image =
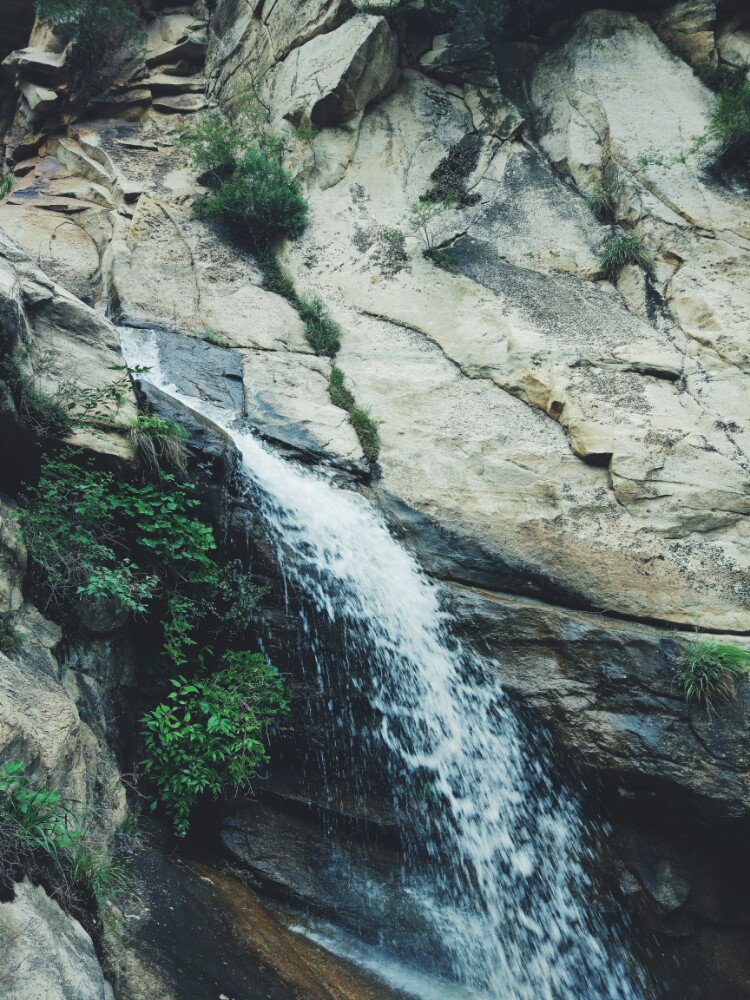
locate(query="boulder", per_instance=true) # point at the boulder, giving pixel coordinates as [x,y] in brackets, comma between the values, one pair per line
[688,29]
[334,76]
[463,55]
[45,953]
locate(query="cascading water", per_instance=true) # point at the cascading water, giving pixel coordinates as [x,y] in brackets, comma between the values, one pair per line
[495,854]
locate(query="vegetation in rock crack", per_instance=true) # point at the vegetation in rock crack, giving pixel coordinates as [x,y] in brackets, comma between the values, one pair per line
[622,250]
[250,195]
[606,194]
[728,131]
[708,672]
[97,28]
[449,176]
[323,333]
[207,737]
[212,337]
[423,216]
[52,841]
[70,404]
[364,426]
[160,444]
[6,184]
[443,259]
[11,639]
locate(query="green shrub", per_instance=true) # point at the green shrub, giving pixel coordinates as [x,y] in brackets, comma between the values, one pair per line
[42,819]
[98,29]
[43,414]
[96,542]
[207,737]
[622,250]
[11,639]
[708,672]
[323,334]
[442,259]
[260,202]
[6,184]
[214,145]
[604,198]
[159,443]
[422,215]
[729,120]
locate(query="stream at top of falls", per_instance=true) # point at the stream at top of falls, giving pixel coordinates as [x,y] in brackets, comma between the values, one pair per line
[495,850]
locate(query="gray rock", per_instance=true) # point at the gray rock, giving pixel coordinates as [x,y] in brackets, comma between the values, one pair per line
[46,954]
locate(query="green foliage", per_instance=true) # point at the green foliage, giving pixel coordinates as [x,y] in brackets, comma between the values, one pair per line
[71,404]
[305,133]
[341,395]
[260,202]
[10,638]
[323,334]
[251,195]
[6,184]
[98,29]
[622,250]
[212,337]
[214,144]
[422,216]
[728,128]
[159,443]
[207,736]
[364,426]
[96,542]
[42,820]
[708,672]
[606,194]
[44,837]
[275,280]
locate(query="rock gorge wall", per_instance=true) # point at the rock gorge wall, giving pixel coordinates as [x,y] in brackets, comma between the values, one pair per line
[569,456]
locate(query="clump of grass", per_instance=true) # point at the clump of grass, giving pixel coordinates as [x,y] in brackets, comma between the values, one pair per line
[341,395]
[729,119]
[10,638]
[6,183]
[709,670]
[604,198]
[323,333]
[622,250]
[364,426]
[40,412]
[212,337]
[159,443]
[274,278]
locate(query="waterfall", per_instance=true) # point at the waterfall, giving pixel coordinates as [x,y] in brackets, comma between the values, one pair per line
[496,855]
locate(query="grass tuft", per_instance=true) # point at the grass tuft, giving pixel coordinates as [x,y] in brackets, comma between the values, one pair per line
[709,670]
[323,334]
[364,426]
[622,250]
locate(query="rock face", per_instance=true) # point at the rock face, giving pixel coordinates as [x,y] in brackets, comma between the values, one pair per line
[45,953]
[554,444]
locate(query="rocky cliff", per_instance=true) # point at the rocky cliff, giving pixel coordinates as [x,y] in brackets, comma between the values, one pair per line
[568,452]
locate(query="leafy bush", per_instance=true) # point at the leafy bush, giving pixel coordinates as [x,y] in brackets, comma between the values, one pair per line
[323,334]
[422,215]
[606,194]
[96,542]
[159,443]
[207,736]
[258,203]
[98,29]
[6,184]
[214,145]
[709,670]
[729,120]
[622,250]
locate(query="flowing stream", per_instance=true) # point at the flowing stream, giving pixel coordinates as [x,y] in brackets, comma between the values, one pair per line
[495,854]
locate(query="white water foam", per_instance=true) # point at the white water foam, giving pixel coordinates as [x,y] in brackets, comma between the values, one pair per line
[500,879]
